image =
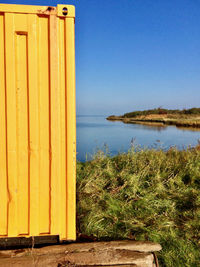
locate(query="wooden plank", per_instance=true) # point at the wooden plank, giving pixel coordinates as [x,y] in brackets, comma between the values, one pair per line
[118,253]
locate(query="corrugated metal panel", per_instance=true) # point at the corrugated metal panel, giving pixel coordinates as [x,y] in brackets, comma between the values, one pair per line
[37,121]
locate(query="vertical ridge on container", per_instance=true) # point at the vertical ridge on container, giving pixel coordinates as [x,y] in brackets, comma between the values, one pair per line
[21,63]
[34,124]
[3,139]
[55,127]
[11,124]
[62,86]
[44,122]
[71,131]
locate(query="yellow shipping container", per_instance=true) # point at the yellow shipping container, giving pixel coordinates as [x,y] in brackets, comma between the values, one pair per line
[37,121]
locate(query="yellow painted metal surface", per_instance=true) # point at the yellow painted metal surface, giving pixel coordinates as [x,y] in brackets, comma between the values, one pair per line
[37,121]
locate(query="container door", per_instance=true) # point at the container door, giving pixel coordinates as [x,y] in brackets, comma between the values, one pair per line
[37,107]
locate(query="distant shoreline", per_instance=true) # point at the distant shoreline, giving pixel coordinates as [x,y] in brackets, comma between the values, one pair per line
[161,117]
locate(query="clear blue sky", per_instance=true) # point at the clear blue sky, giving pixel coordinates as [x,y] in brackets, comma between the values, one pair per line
[135,54]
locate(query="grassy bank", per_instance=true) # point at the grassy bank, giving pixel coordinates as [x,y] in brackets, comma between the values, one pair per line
[144,195]
[179,118]
[163,111]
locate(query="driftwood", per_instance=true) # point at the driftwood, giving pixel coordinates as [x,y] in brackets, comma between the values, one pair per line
[125,253]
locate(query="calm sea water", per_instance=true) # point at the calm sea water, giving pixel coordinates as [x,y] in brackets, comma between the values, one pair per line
[95,132]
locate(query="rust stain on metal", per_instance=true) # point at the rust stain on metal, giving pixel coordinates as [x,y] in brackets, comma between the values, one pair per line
[50,10]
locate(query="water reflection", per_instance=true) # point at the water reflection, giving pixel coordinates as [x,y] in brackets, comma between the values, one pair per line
[94,132]
[192,129]
[145,125]
[162,127]
[154,127]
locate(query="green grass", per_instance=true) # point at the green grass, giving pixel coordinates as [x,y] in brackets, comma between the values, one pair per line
[144,195]
[161,111]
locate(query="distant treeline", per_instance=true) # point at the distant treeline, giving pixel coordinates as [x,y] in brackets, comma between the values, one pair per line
[191,111]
